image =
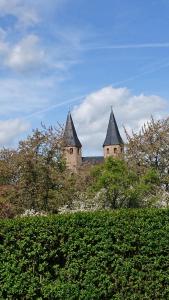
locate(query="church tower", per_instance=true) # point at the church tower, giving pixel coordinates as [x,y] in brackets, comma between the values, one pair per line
[113,144]
[72,145]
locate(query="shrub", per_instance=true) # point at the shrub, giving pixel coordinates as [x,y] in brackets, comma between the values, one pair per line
[100,255]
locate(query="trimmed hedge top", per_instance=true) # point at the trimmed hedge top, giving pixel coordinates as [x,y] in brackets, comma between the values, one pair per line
[122,254]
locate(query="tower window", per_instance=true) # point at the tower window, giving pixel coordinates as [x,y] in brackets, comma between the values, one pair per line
[115,150]
[108,151]
[71,150]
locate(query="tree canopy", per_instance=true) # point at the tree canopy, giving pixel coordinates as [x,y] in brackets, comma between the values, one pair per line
[35,176]
[123,187]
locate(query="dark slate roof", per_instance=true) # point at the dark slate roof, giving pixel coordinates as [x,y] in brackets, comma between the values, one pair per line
[70,135]
[113,136]
[92,160]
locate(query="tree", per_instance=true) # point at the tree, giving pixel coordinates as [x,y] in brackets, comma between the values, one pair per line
[34,176]
[31,175]
[150,149]
[122,186]
[6,210]
[8,170]
[40,164]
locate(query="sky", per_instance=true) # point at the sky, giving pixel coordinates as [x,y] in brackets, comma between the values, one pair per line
[84,56]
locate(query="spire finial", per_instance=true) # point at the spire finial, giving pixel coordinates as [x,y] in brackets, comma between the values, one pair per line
[111,108]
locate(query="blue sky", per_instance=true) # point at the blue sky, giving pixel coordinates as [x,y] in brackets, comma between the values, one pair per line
[85,56]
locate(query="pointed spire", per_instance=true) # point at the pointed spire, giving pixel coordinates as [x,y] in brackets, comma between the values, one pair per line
[113,136]
[70,135]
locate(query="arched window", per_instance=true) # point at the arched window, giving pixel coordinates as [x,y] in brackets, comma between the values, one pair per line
[115,150]
[108,151]
[71,150]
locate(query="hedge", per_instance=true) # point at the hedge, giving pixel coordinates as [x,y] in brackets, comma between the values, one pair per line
[122,254]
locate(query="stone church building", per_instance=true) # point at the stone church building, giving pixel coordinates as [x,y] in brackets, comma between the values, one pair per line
[112,146]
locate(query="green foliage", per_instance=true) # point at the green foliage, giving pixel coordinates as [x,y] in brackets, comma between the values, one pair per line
[123,186]
[40,163]
[149,148]
[32,174]
[6,209]
[8,171]
[103,255]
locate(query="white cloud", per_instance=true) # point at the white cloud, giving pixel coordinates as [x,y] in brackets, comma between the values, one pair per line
[23,56]
[3,44]
[3,48]
[23,96]
[28,13]
[10,130]
[92,115]
[2,33]
[30,54]
[24,49]
[25,13]
[26,55]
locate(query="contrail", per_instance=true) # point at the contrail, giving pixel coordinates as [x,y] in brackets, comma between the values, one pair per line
[49,108]
[126,46]
[73,100]
[141,74]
